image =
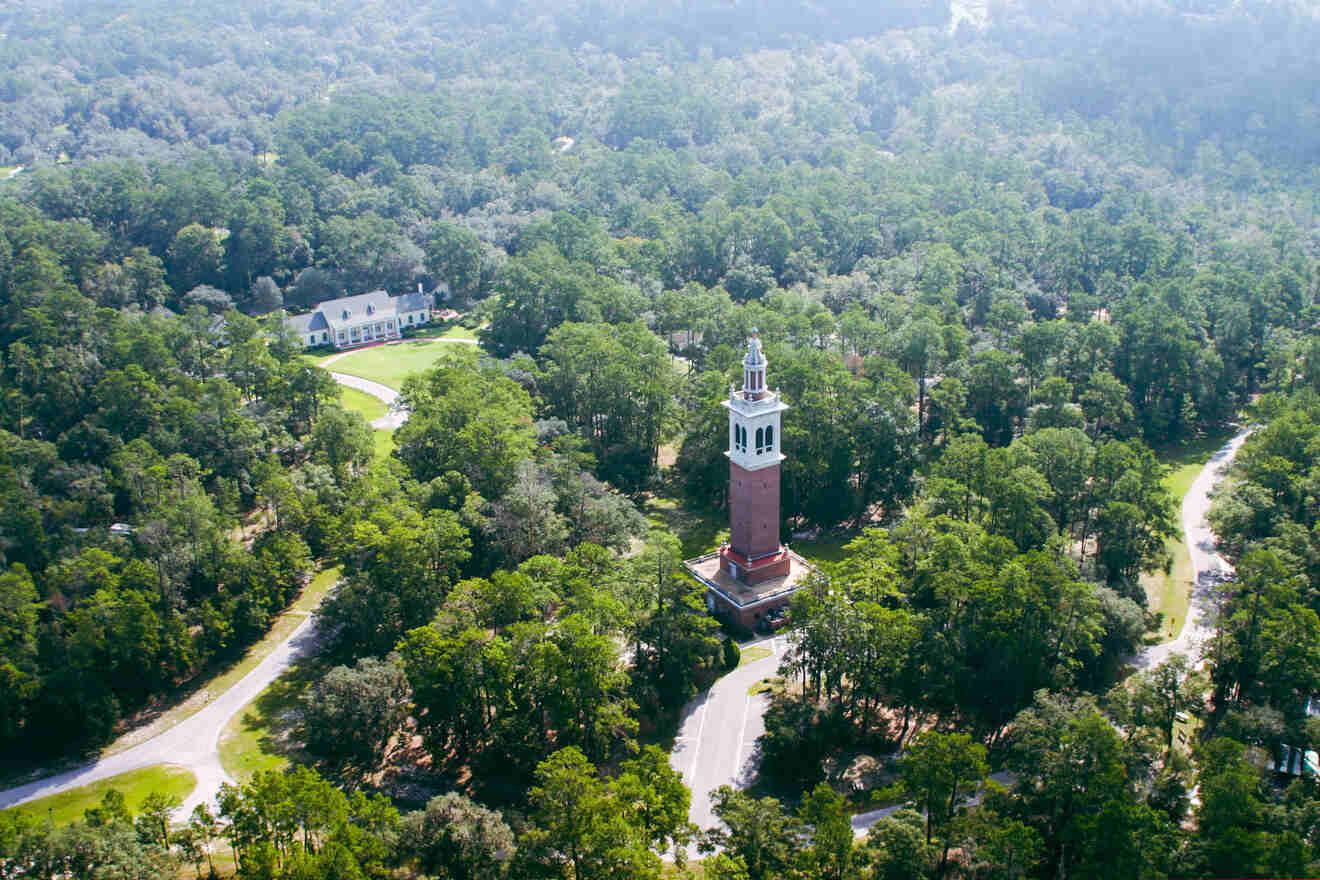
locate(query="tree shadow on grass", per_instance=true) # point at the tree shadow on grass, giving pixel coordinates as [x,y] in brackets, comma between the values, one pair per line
[271,721]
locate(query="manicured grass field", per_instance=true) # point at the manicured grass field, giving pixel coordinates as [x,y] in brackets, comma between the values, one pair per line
[356,401]
[453,331]
[68,806]
[1170,594]
[752,654]
[389,364]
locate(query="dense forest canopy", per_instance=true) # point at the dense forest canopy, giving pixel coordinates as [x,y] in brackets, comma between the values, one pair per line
[997,254]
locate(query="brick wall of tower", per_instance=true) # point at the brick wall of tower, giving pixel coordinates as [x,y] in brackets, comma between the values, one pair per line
[754,510]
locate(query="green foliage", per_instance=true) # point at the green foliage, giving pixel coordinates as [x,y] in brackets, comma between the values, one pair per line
[520,665]
[351,715]
[730,654]
[286,823]
[588,827]
[476,424]
[457,838]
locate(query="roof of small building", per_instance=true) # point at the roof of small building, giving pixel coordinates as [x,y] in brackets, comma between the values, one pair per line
[414,301]
[311,322]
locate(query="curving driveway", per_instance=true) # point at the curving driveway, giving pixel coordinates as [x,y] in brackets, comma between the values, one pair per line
[1211,568]
[392,419]
[192,743]
[397,414]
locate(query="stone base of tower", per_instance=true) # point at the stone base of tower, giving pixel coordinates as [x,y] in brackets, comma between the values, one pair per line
[748,599]
[755,571]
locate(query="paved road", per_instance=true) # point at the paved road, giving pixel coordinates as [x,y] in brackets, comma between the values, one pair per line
[718,731]
[191,743]
[1211,568]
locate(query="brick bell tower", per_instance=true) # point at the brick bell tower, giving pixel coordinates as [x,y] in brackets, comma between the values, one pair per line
[753,553]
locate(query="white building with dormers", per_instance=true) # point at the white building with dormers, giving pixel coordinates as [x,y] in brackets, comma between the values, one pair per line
[357,320]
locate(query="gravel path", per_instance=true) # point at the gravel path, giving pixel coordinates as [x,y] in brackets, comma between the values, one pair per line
[1211,568]
[192,743]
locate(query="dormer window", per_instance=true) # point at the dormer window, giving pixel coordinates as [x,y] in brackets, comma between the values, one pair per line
[371,310]
[345,314]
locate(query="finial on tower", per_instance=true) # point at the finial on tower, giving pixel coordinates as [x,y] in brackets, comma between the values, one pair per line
[754,365]
[755,356]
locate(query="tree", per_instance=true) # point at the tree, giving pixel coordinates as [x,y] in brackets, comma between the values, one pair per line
[474,422]
[579,827]
[195,257]
[939,769]
[1074,788]
[18,649]
[351,715]
[456,838]
[615,385]
[454,255]
[343,440]
[830,855]
[757,832]
[153,822]
[399,565]
[656,800]
[896,847]
[264,296]
[1231,818]
[1168,691]
[676,645]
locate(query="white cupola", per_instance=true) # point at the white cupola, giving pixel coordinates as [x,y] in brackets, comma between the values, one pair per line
[754,415]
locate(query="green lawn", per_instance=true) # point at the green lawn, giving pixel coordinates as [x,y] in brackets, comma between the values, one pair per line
[356,401]
[452,331]
[384,442]
[389,364]
[826,548]
[260,736]
[68,806]
[314,592]
[699,532]
[752,654]
[1170,593]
